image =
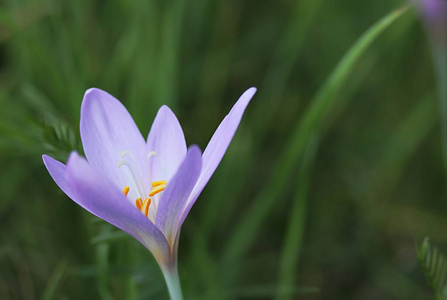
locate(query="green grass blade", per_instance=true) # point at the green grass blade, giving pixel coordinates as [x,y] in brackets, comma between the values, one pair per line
[55,282]
[402,146]
[310,124]
[102,265]
[138,49]
[295,230]
[442,277]
[217,63]
[170,52]
[438,274]
[267,291]
[427,250]
[284,60]
[434,265]
[107,237]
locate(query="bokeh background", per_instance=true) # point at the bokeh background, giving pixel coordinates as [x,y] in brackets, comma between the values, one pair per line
[335,175]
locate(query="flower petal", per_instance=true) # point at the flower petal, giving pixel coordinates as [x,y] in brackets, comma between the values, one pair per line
[57,172]
[167,140]
[218,145]
[107,129]
[177,192]
[98,195]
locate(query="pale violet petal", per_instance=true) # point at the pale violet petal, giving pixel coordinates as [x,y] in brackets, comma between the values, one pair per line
[218,145]
[57,172]
[107,129]
[166,139]
[101,197]
[176,194]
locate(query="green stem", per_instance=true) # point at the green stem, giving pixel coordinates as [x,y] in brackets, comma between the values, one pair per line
[173,283]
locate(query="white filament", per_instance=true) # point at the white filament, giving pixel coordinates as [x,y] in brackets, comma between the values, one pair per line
[135,178]
[134,173]
[138,180]
[148,160]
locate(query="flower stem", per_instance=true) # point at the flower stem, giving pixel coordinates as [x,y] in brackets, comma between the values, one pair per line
[173,283]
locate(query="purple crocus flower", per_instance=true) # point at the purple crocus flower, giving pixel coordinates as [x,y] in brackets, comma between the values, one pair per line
[145,188]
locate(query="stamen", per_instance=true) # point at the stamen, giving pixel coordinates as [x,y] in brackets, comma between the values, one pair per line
[156,186]
[128,153]
[133,162]
[138,203]
[148,158]
[135,178]
[126,190]
[157,190]
[145,207]
[160,182]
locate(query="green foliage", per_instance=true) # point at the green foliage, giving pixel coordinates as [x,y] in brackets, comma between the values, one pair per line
[58,140]
[55,282]
[296,227]
[434,264]
[335,169]
[309,124]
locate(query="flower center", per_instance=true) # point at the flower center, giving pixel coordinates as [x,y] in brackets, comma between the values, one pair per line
[156,187]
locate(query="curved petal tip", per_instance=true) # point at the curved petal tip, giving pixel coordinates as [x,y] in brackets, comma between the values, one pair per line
[252,90]
[93,90]
[45,158]
[73,157]
[195,149]
[249,93]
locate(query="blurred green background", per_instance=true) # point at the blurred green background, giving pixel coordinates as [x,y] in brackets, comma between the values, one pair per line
[335,174]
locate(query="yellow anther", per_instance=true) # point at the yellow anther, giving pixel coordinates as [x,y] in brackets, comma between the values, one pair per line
[139,203]
[160,182]
[126,190]
[145,207]
[157,190]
